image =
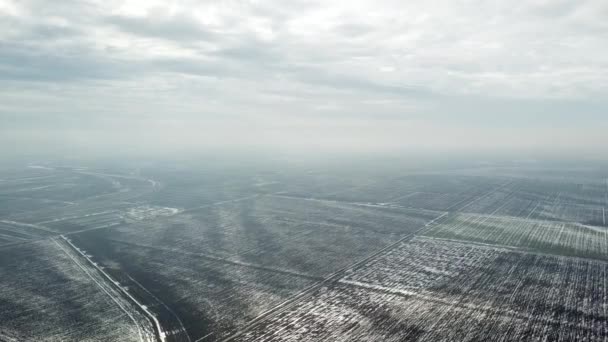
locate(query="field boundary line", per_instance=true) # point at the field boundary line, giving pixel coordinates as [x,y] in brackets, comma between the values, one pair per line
[160,332]
[409,194]
[65,218]
[330,279]
[334,277]
[30,225]
[163,304]
[102,288]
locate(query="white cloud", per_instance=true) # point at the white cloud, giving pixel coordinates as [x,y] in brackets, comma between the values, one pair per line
[268,61]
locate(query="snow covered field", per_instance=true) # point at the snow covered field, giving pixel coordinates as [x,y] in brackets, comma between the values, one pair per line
[202,253]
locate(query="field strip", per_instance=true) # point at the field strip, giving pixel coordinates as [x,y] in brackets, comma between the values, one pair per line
[405,196]
[141,338]
[115,175]
[56,234]
[362,185]
[430,298]
[91,200]
[332,278]
[395,206]
[545,200]
[361,204]
[223,260]
[29,225]
[27,178]
[18,243]
[309,231]
[183,329]
[110,177]
[160,332]
[8,230]
[65,218]
[204,337]
[46,200]
[80,208]
[12,237]
[486,217]
[133,194]
[32,189]
[235,200]
[533,210]
[294,236]
[520,250]
[580,205]
[111,225]
[474,199]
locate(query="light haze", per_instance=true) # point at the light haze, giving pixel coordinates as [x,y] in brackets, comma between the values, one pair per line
[182,75]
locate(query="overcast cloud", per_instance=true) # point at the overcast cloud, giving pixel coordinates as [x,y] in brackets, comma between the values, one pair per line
[350,74]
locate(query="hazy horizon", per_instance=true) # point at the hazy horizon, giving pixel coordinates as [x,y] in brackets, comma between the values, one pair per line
[158,77]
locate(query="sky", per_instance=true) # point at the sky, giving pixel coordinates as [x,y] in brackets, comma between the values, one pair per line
[182,75]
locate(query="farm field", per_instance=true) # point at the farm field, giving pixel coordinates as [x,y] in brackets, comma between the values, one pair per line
[270,248]
[563,238]
[195,252]
[265,223]
[48,293]
[211,297]
[429,290]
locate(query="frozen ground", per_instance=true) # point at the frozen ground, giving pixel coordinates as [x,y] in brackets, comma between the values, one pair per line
[267,252]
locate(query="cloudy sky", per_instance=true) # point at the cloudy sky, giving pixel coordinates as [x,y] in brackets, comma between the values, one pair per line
[362,75]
